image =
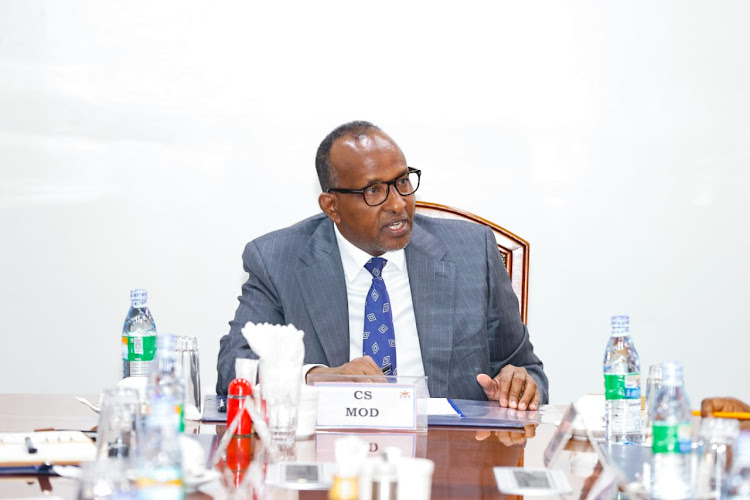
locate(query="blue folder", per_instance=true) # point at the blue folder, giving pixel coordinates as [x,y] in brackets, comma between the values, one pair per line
[482,414]
[214,408]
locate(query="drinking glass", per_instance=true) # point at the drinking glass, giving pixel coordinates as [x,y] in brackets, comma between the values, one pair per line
[187,353]
[104,480]
[117,433]
[717,436]
[308,411]
[415,478]
[280,383]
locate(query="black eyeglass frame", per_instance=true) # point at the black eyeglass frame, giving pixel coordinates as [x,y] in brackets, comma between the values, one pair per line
[390,183]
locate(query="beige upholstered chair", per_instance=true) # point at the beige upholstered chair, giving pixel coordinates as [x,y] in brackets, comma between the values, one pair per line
[513,249]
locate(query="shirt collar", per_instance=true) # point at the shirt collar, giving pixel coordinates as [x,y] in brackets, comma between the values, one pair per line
[354,259]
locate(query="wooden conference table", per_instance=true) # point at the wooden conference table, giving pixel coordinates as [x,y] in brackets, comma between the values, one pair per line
[463,457]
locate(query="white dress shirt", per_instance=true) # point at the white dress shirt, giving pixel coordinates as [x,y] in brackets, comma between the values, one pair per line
[396,278]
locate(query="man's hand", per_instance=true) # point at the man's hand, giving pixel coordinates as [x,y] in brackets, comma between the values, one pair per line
[359,366]
[513,387]
[509,438]
[711,405]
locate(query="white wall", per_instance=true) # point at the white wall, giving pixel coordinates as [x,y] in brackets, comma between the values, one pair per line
[143,143]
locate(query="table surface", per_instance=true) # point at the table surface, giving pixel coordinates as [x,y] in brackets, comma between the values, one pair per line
[463,457]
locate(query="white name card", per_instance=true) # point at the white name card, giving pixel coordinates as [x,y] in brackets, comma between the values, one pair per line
[366,406]
[325,443]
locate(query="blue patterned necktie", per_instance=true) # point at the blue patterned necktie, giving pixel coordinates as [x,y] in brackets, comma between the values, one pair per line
[379,339]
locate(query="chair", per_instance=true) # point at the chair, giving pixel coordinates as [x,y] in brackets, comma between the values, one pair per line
[513,249]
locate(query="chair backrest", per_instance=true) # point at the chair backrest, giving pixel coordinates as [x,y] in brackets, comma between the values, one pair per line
[513,249]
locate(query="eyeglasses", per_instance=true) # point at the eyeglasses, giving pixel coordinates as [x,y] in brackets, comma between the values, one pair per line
[375,194]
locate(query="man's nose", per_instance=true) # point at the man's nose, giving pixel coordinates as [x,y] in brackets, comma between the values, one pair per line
[395,201]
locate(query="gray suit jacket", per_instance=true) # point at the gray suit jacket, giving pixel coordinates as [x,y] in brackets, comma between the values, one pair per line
[466,311]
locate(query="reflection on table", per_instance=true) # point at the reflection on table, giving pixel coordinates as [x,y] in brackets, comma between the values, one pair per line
[463,457]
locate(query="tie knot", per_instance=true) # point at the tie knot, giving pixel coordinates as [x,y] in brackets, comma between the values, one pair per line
[375,266]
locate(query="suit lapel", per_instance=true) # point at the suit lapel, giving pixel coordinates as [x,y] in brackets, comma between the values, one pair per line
[321,281]
[432,278]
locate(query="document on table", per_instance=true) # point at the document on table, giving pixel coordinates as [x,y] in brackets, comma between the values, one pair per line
[441,406]
[53,447]
[469,413]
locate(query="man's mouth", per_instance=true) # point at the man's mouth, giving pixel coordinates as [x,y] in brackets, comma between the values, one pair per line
[397,227]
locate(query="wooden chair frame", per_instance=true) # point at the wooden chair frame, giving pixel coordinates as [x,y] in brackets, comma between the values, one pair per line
[513,249]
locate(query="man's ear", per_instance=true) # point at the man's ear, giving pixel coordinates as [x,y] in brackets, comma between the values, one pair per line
[327,203]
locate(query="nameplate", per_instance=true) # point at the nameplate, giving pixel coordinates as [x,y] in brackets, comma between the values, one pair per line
[366,406]
[377,443]
[562,435]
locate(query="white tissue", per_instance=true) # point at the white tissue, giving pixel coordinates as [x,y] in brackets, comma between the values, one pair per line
[277,343]
[194,464]
[192,413]
[137,383]
[193,456]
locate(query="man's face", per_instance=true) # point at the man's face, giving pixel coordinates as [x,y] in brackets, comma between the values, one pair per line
[357,163]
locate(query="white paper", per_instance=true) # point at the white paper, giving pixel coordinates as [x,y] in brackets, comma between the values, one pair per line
[440,406]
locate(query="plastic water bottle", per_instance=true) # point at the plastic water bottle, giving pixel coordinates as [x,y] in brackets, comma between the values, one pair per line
[159,472]
[671,457]
[622,383]
[138,337]
[738,485]
[166,384]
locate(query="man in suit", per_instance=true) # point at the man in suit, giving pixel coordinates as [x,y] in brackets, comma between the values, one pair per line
[451,305]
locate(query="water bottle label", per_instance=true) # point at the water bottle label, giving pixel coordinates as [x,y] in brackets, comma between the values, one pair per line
[622,386]
[181,410]
[671,438]
[163,483]
[166,414]
[139,348]
[124,348]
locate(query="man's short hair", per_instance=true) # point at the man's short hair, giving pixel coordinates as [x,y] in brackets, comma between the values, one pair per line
[355,129]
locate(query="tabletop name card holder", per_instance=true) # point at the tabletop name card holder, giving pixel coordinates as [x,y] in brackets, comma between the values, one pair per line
[609,476]
[383,403]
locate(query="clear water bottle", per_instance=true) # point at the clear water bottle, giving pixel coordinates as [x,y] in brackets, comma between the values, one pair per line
[672,444]
[166,383]
[738,485]
[159,471]
[138,337]
[622,384]
[653,384]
